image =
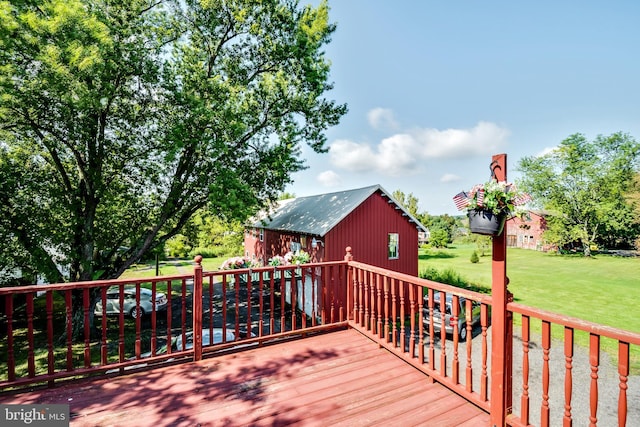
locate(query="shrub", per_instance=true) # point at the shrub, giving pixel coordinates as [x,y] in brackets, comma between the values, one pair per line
[214,252]
[450,277]
[474,257]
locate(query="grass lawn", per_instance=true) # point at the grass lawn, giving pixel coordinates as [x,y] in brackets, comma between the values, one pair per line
[170,267]
[602,289]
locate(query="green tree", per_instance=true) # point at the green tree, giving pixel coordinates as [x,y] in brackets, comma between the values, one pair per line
[408,201]
[444,226]
[121,119]
[438,238]
[582,183]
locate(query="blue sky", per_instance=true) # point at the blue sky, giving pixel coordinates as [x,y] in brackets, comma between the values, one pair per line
[434,88]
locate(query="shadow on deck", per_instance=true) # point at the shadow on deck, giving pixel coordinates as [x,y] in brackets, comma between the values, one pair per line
[338,378]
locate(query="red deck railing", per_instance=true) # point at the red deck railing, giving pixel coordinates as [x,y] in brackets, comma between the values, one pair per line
[382,299]
[47,328]
[400,312]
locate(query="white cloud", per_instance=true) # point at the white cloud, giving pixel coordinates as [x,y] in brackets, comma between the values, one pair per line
[381,118]
[407,153]
[483,139]
[329,179]
[352,156]
[449,177]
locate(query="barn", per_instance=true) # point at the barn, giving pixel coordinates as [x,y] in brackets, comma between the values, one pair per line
[527,233]
[369,220]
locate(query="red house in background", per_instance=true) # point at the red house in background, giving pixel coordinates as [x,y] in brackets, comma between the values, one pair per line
[378,229]
[527,234]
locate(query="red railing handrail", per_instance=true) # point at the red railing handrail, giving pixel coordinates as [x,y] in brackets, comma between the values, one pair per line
[89,284]
[576,323]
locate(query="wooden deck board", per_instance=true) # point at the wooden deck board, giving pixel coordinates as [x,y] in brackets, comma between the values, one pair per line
[339,378]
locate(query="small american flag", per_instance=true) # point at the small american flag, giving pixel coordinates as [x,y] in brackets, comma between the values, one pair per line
[480,197]
[522,199]
[461,200]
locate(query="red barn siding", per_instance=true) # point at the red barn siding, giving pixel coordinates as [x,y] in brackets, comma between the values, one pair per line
[526,234]
[366,230]
[279,243]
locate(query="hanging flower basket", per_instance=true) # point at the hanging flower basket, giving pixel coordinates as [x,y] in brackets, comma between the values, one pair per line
[488,205]
[485,222]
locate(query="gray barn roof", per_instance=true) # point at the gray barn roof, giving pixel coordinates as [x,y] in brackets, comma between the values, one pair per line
[317,215]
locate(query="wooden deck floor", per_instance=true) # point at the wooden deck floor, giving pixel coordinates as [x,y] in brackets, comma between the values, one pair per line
[339,378]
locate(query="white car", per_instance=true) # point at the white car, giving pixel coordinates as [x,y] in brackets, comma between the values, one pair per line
[206,338]
[129,307]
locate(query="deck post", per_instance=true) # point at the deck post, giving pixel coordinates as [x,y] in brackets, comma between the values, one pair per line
[197,309]
[349,284]
[501,324]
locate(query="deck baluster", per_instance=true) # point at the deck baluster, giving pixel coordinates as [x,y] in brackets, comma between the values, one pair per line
[623,372]
[196,309]
[272,301]
[260,305]
[379,306]
[546,348]
[236,305]
[484,379]
[249,292]
[138,321]
[283,291]
[31,363]
[121,354]
[524,409]
[443,335]
[169,316]
[315,278]
[154,316]
[420,298]
[50,357]
[432,333]
[594,361]
[394,312]
[455,364]
[11,361]
[366,298]
[30,335]
[373,307]
[468,325]
[294,293]
[403,336]
[568,376]
[412,310]
[385,326]
[183,320]
[359,296]
[211,305]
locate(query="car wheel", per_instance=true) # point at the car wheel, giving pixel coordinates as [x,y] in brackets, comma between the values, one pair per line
[463,332]
[135,313]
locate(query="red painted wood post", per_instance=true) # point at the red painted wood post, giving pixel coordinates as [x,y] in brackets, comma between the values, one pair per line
[501,325]
[197,309]
[349,291]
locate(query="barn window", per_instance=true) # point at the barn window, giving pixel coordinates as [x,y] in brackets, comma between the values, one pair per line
[262,234]
[392,241]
